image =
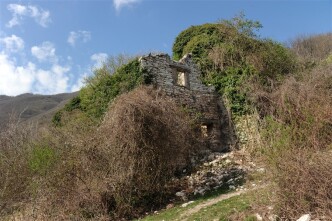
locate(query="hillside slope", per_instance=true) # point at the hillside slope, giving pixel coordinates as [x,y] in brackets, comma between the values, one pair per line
[31,106]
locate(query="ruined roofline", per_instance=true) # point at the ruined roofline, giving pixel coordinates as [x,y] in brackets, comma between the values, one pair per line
[183,63]
[165,71]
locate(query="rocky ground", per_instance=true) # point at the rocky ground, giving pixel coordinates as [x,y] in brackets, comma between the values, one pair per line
[216,171]
[222,171]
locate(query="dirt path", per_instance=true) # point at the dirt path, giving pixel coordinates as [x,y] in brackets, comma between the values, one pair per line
[209,203]
[213,201]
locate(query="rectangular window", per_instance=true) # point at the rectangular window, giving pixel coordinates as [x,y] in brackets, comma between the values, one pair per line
[206,130]
[181,79]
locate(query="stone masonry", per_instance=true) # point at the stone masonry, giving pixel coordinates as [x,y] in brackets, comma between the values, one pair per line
[181,81]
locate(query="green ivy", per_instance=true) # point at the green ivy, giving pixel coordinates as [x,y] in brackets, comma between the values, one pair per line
[102,87]
[229,53]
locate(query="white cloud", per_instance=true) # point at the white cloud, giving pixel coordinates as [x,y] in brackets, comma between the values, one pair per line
[18,11]
[45,52]
[41,16]
[15,79]
[98,59]
[118,4]
[18,79]
[12,43]
[52,81]
[79,82]
[83,36]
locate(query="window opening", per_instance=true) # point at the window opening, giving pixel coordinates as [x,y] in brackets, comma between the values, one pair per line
[181,79]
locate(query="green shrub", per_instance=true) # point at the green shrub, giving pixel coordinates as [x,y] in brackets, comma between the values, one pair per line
[56,119]
[74,103]
[41,159]
[229,83]
[187,35]
[277,61]
[104,86]
[119,75]
[230,55]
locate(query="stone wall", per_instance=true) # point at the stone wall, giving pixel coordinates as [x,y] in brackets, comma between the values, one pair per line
[181,81]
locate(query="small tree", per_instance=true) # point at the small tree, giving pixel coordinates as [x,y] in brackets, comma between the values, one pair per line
[243,25]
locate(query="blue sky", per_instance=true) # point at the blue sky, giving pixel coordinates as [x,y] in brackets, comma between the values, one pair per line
[49,46]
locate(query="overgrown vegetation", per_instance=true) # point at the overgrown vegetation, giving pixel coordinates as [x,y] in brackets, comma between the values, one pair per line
[15,174]
[119,75]
[290,89]
[230,55]
[314,48]
[298,143]
[107,155]
[119,169]
[139,133]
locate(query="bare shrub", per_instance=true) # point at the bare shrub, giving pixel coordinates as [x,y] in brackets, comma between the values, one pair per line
[47,174]
[72,187]
[298,138]
[15,176]
[117,170]
[313,48]
[146,138]
[304,184]
[305,104]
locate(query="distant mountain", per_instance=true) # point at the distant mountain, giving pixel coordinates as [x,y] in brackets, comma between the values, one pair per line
[32,106]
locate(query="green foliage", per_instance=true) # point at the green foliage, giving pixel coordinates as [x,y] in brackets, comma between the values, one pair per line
[119,75]
[222,210]
[206,31]
[243,25]
[104,86]
[74,103]
[279,137]
[251,218]
[228,83]
[230,54]
[56,119]
[277,60]
[328,60]
[41,159]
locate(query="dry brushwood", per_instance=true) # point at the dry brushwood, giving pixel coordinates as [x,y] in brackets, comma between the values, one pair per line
[305,184]
[15,140]
[147,138]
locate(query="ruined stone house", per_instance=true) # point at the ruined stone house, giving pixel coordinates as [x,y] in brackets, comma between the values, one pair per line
[181,81]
